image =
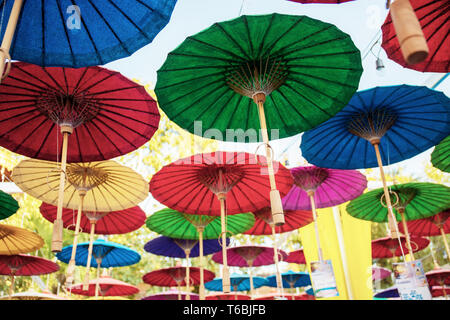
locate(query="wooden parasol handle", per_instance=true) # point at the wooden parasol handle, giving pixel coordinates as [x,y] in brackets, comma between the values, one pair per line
[275,198]
[316,226]
[441,229]
[202,277]
[226,287]
[275,258]
[405,228]
[88,264]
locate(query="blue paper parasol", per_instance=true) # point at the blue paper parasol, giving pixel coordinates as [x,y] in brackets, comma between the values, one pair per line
[290,280]
[238,282]
[383,125]
[82,33]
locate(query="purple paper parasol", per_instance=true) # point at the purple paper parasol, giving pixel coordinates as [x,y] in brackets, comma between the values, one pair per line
[331,187]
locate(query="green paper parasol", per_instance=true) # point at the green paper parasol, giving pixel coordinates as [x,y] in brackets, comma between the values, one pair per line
[8,205]
[440,157]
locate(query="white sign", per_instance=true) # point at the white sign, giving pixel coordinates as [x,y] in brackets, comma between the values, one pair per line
[322,278]
[411,281]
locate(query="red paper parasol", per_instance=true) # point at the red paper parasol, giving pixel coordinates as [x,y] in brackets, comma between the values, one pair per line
[438,277]
[108,287]
[115,222]
[105,114]
[388,247]
[297,256]
[434,20]
[172,295]
[25,265]
[438,291]
[228,296]
[219,183]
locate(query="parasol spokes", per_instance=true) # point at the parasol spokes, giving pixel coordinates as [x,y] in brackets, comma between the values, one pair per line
[373,125]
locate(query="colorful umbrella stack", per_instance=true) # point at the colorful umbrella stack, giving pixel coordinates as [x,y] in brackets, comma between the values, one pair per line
[250,79]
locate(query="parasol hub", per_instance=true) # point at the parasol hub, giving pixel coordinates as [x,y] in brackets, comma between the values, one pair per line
[372,125]
[259,97]
[85,177]
[220,179]
[374,141]
[95,216]
[221,196]
[66,128]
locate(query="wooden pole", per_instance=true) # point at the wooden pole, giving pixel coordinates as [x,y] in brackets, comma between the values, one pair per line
[97,284]
[71,266]
[188,278]
[11,289]
[202,278]
[252,289]
[225,272]
[8,36]
[179,290]
[275,198]
[405,229]
[392,221]
[88,264]
[316,227]
[57,237]
[275,258]
[441,228]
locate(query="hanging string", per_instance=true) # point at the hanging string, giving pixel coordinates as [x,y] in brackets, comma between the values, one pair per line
[242,7]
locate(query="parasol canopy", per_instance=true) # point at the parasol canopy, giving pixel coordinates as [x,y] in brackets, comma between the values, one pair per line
[15,240]
[391,292]
[308,69]
[379,273]
[175,276]
[294,219]
[31,295]
[171,295]
[107,287]
[331,187]
[430,226]
[440,157]
[190,185]
[440,291]
[250,256]
[297,256]
[115,222]
[438,277]
[26,265]
[388,247]
[239,282]
[290,280]
[417,200]
[288,296]
[109,115]
[110,186]
[175,224]
[434,21]
[8,205]
[107,254]
[88,33]
[406,120]
[177,248]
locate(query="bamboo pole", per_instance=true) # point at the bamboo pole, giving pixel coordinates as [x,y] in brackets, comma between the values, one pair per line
[202,278]
[57,237]
[11,288]
[88,264]
[277,267]
[225,272]
[97,284]
[8,36]
[316,227]
[405,229]
[188,278]
[71,266]
[179,290]
[252,289]
[275,198]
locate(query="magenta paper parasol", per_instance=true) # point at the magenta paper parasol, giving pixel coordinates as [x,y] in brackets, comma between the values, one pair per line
[379,273]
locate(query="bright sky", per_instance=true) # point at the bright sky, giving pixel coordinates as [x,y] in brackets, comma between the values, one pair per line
[361,19]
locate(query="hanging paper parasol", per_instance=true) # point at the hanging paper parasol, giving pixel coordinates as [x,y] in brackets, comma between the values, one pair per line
[232,77]
[172,295]
[8,205]
[107,287]
[402,121]
[438,291]
[297,256]
[439,224]
[379,273]
[106,254]
[228,296]
[440,157]
[105,114]
[81,34]
[93,186]
[14,240]
[389,247]
[239,282]
[31,295]
[434,23]
[290,280]
[176,276]
[174,224]
[182,248]
[25,265]
[218,183]
[391,292]
[250,256]
[438,277]
[412,201]
[316,187]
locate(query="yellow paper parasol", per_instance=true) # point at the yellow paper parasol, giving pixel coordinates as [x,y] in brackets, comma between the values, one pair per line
[31,295]
[15,240]
[102,186]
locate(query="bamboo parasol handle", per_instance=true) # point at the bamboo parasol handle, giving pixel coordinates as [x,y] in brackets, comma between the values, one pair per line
[88,264]
[316,226]
[202,278]
[441,229]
